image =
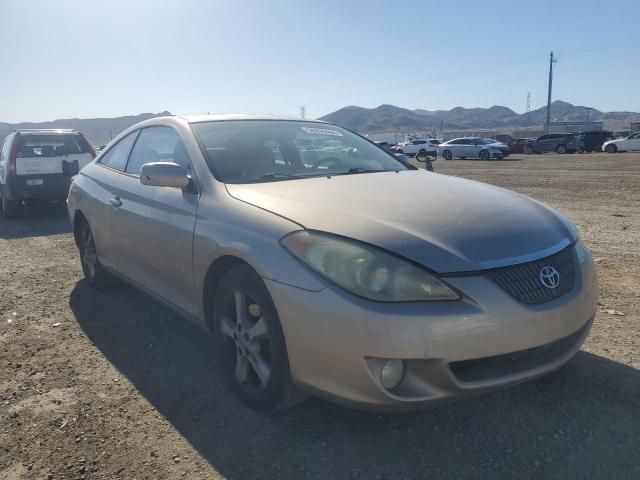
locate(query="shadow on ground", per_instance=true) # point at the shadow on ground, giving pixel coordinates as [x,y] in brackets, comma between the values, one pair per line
[43,220]
[583,421]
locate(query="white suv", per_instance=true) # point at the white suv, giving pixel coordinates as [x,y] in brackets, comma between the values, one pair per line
[412,147]
[39,165]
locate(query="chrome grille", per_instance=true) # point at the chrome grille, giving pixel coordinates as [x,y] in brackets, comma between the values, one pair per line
[523,283]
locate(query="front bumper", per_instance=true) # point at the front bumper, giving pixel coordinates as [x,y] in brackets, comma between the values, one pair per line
[451,349]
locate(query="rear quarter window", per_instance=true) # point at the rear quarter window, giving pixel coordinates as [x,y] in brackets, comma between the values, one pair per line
[116,157]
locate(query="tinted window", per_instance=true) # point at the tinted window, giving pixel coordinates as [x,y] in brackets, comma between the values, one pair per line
[435,142]
[157,144]
[419,142]
[249,151]
[543,137]
[455,141]
[465,141]
[635,135]
[116,156]
[51,145]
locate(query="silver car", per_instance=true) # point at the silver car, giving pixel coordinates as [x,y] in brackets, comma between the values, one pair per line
[321,265]
[473,147]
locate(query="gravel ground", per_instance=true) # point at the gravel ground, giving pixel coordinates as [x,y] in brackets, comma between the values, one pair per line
[114,385]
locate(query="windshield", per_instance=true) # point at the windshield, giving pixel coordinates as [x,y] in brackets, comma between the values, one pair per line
[251,151]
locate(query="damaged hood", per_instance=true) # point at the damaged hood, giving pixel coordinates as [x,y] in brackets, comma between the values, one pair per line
[445,223]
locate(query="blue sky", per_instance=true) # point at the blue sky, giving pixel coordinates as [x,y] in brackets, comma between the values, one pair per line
[102,58]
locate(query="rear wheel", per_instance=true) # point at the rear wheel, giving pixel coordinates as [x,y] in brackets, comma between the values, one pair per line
[561,149]
[528,149]
[94,272]
[611,148]
[250,343]
[447,155]
[484,155]
[9,208]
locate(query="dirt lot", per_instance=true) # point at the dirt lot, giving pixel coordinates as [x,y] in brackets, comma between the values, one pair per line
[113,385]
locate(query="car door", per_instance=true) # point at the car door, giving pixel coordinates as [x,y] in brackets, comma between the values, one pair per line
[541,144]
[633,142]
[466,148]
[156,224]
[105,177]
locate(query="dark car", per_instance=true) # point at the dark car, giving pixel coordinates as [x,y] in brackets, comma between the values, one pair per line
[592,141]
[517,145]
[553,142]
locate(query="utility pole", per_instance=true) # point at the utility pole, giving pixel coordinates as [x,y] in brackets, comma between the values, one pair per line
[303,111]
[441,126]
[551,62]
[588,112]
[528,116]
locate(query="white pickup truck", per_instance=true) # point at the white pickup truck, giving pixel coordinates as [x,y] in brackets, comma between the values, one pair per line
[412,147]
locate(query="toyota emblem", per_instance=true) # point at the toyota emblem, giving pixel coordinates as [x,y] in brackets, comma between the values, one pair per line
[549,277]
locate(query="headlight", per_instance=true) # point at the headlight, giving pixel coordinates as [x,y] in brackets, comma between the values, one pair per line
[364,270]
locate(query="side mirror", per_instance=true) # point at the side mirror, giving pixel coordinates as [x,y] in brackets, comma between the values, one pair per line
[422,157]
[164,174]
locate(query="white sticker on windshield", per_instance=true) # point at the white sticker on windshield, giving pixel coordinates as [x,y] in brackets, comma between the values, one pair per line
[322,131]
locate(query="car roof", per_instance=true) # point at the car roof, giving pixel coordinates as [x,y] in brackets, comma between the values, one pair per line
[241,116]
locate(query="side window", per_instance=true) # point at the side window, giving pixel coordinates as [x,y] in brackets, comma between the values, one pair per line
[157,144]
[420,142]
[465,141]
[116,156]
[543,138]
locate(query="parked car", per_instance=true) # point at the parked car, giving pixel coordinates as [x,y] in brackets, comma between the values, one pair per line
[631,143]
[348,277]
[593,141]
[424,146]
[517,145]
[401,157]
[553,142]
[473,147]
[39,164]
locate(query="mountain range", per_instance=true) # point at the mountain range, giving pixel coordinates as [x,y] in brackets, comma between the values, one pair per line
[97,130]
[389,118]
[385,118]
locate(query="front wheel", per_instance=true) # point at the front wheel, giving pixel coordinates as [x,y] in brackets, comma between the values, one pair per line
[611,148]
[528,149]
[561,149]
[484,155]
[250,343]
[447,155]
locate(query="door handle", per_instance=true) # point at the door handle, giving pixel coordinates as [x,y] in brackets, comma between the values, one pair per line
[115,202]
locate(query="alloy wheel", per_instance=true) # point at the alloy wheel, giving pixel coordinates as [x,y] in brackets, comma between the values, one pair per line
[89,254]
[247,342]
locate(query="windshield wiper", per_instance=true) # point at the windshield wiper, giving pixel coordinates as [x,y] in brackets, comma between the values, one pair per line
[355,170]
[275,175]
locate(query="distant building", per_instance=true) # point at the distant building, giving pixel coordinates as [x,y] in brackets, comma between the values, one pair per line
[574,127]
[635,127]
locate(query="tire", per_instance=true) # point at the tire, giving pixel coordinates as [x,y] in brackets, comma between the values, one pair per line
[611,148]
[422,153]
[561,149]
[94,273]
[484,155]
[250,343]
[9,208]
[528,149]
[447,155]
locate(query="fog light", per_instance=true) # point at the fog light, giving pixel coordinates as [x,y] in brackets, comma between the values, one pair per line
[392,373]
